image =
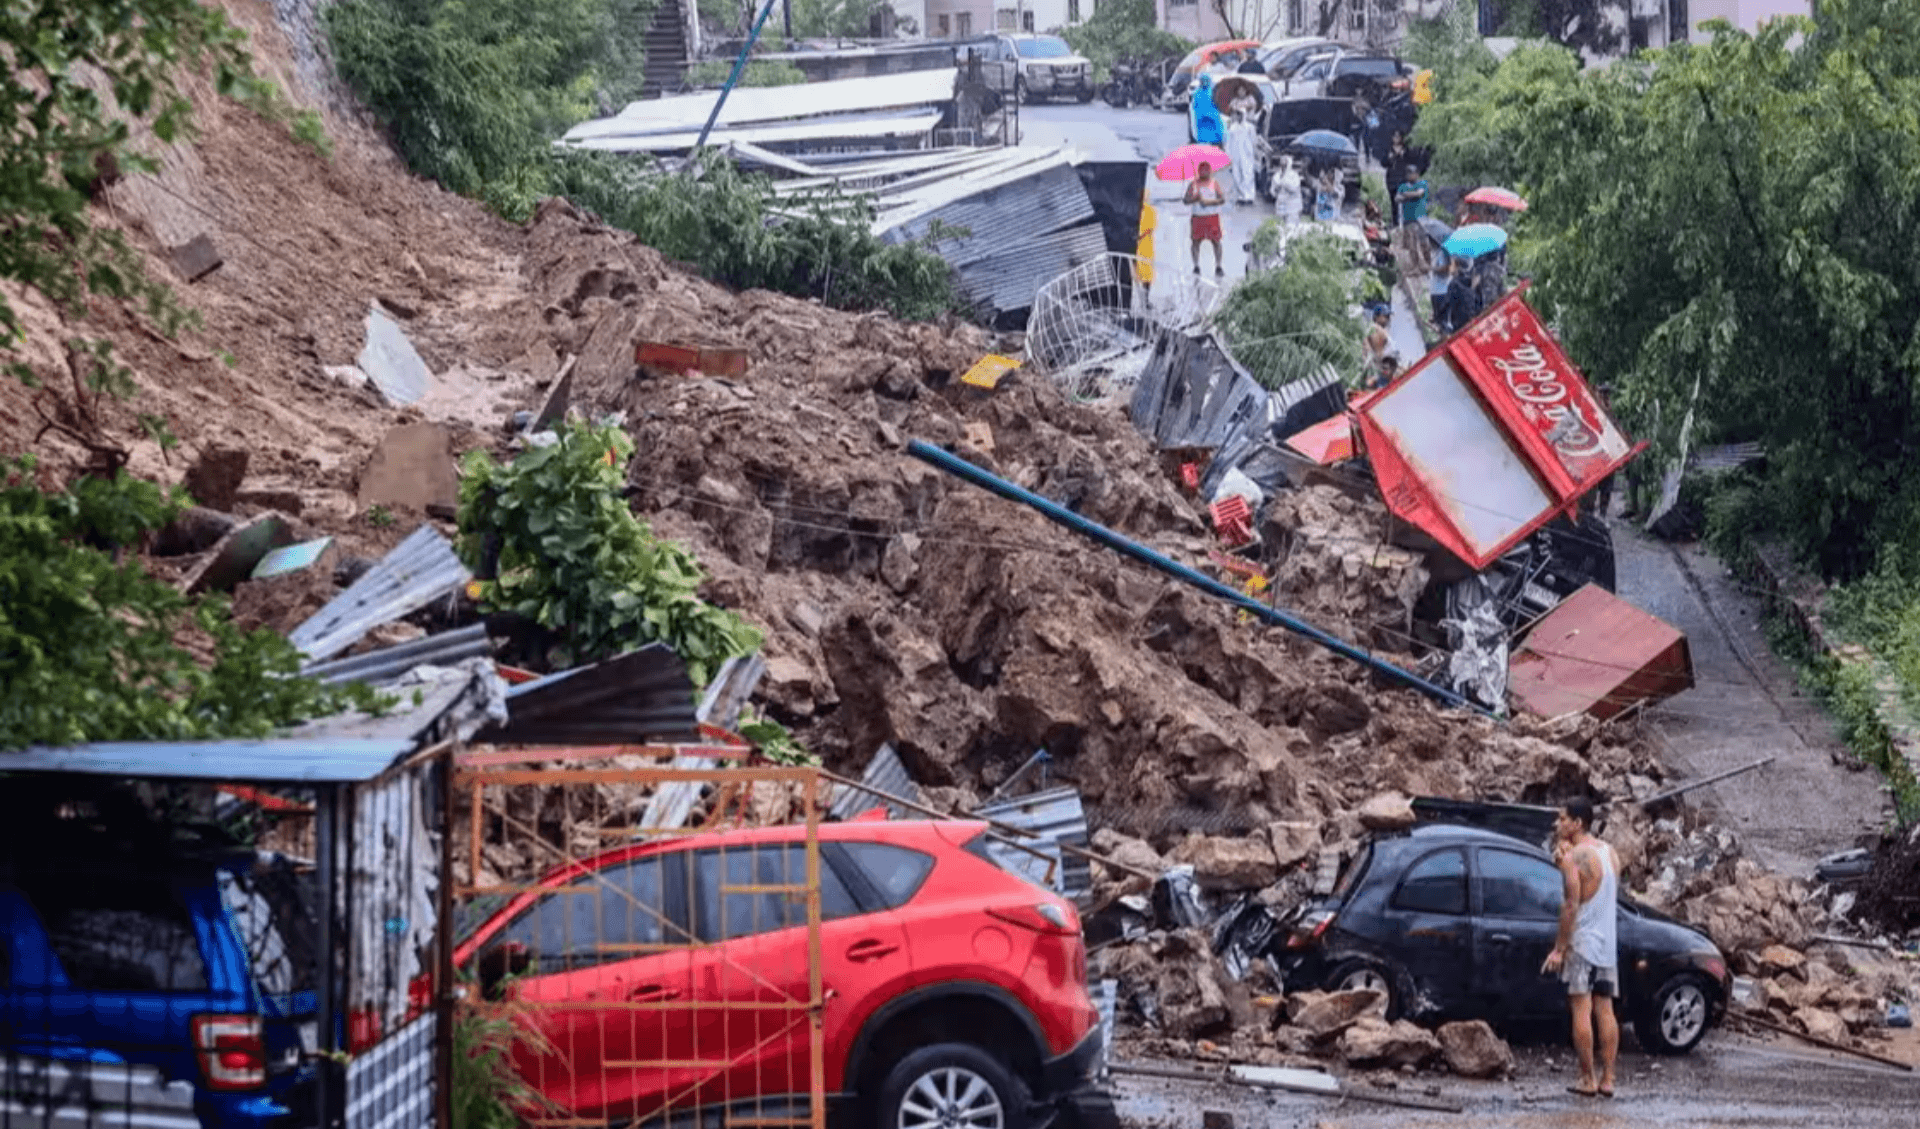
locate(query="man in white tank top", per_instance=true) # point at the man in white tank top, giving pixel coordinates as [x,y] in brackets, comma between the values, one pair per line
[1587,951]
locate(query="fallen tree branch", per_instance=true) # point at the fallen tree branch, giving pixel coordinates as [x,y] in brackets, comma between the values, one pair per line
[1828,1044]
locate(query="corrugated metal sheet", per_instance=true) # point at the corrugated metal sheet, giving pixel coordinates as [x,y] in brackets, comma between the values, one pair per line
[772,104]
[1053,817]
[995,215]
[901,209]
[885,773]
[44,1093]
[725,697]
[1192,394]
[429,707]
[1008,280]
[391,1086]
[289,761]
[388,663]
[916,124]
[1595,653]
[641,697]
[418,571]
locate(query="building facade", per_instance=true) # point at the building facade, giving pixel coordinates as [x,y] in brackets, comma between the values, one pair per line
[963,19]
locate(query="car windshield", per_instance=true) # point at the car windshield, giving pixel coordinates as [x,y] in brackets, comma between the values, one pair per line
[1384,67]
[1045,47]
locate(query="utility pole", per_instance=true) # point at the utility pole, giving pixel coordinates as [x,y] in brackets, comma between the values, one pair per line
[786,21]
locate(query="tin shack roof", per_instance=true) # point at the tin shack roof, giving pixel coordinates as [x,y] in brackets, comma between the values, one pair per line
[270,761]
[1595,653]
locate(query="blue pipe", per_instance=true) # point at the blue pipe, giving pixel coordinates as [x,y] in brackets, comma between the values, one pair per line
[960,468]
[739,65]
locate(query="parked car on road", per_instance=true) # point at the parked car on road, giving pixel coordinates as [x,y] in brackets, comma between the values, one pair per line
[955,990]
[115,950]
[1282,57]
[1455,923]
[1032,67]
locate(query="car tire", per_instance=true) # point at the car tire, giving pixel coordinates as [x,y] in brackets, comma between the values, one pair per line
[1020,94]
[1360,973]
[1675,1020]
[1085,95]
[987,1094]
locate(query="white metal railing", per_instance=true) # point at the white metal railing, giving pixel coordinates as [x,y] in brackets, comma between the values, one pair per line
[1092,329]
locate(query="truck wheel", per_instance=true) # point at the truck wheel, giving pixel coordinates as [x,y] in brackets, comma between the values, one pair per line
[951,1084]
[1085,95]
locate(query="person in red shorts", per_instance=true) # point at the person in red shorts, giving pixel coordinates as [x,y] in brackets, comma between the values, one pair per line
[1206,198]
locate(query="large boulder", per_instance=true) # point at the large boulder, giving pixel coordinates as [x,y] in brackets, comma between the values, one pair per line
[1776,959]
[1822,1024]
[1373,1041]
[1229,864]
[1473,1050]
[1323,1015]
[1388,811]
[1293,843]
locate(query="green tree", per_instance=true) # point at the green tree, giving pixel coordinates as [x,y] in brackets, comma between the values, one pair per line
[1123,29]
[1449,44]
[472,91]
[1291,321]
[1739,216]
[836,19]
[91,646]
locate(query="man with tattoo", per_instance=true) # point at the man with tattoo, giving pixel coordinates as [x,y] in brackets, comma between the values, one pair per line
[1586,953]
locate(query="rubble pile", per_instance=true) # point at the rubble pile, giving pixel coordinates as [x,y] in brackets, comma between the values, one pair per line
[1330,553]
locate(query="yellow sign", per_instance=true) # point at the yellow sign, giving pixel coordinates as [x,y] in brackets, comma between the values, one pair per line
[1423,88]
[988,370]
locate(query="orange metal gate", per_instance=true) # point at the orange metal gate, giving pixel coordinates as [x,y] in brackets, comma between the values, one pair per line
[644,974]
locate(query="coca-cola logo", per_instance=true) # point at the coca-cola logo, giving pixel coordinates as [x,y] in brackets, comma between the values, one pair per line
[1531,379]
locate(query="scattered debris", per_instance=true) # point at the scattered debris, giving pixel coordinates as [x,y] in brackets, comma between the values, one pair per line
[196,258]
[390,361]
[413,469]
[292,558]
[214,478]
[989,371]
[1473,1050]
[682,360]
[419,570]
[1595,653]
[234,557]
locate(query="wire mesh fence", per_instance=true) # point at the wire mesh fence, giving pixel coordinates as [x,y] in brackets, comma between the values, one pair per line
[1093,328]
[647,974]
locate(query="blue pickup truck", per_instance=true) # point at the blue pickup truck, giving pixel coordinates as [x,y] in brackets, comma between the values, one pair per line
[169,962]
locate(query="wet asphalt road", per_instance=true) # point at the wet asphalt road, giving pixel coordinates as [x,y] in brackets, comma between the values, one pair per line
[1730,1082]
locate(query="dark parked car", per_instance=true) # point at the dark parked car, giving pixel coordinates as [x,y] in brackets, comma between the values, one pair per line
[1455,922]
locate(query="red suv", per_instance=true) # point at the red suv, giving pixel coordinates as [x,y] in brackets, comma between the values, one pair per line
[670,978]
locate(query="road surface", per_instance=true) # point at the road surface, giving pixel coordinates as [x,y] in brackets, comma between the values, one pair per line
[1730,1082]
[1147,135]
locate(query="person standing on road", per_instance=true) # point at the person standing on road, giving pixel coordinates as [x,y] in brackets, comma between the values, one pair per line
[1206,198]
[1586,953]
[1242,154]
[1207,127]
[1437,280]
[1287,201]
[1327,195]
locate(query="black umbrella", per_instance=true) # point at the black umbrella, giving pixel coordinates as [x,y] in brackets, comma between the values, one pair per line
[1436,231]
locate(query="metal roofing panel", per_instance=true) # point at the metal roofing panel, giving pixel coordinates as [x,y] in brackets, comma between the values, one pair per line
[827,129]
[769,104]
[993,196]
[375,667]
[418,571]
[270,761]
[885,773]
[1055,816]
[1009,280]
[720,705]
[641,697]
[1595,653]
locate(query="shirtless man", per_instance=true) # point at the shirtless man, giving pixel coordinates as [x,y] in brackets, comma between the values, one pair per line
[1586,953]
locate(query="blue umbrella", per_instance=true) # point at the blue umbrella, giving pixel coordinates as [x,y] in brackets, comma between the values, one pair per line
[1326,142]
[1474,240]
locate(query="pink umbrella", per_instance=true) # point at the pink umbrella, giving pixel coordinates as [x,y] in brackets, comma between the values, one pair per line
[1184,163]
[1505,198]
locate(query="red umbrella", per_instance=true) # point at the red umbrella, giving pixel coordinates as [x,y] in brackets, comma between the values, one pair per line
[1184,163]
[1498,198]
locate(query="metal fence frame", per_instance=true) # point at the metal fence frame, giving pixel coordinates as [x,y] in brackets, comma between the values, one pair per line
[1093,327]
[510,797]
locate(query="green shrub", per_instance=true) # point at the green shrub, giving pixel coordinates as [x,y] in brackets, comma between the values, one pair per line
[759,72]
[730,226]
[574,559]
[1123,29]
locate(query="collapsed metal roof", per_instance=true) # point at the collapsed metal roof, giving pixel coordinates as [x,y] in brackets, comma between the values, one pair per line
[871,98]
[271,761]
[418,571]
[641,697]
